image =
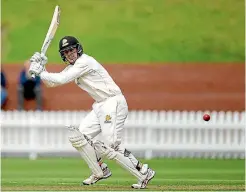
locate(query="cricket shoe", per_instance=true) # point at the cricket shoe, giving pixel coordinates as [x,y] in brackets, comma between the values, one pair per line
[93,179]
[149,175]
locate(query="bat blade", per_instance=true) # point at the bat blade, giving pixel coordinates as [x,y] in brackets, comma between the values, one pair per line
[51,31]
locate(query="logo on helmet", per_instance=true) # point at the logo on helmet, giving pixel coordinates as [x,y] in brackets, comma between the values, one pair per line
[64,42]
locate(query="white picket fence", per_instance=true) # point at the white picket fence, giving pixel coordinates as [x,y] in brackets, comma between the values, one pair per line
[150,133]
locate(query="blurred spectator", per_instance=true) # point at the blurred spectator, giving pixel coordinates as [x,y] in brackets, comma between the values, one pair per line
[29,88]
[4,92]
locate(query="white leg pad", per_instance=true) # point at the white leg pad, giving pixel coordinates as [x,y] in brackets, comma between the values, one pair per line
[120,158]
[127,164]
[86,151]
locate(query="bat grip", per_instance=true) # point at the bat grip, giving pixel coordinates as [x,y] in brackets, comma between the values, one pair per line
[42,53]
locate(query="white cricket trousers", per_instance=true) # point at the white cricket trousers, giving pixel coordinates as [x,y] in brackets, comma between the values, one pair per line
[108,118]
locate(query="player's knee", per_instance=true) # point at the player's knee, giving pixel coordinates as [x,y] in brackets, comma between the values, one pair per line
[104,150]
[114,144]
[121,149]
[76,138]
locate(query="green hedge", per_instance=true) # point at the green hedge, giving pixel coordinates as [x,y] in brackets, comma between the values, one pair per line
[129,30]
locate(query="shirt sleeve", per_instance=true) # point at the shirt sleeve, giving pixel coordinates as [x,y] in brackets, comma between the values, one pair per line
[66,76]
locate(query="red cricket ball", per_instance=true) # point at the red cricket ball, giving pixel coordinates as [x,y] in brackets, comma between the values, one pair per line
[206,117]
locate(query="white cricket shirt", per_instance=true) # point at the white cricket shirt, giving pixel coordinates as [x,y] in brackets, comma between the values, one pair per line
[88,74]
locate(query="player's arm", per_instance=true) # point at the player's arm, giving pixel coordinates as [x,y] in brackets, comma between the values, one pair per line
[51,84]
[55,79]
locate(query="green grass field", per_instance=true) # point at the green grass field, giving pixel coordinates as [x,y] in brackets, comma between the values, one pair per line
[66,174]
[129,30]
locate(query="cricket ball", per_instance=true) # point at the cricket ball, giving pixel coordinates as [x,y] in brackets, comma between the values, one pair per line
[206,117]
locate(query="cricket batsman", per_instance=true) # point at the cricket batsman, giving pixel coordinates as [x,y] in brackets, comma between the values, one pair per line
[108,115]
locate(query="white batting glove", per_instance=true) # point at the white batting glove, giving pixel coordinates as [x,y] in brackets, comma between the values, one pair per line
[39,58]
[35,68]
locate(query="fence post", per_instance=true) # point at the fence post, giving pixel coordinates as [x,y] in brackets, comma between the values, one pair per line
[149,151]
[32,124]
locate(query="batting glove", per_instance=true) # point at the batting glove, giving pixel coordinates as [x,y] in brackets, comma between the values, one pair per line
[35,68]
[39,58]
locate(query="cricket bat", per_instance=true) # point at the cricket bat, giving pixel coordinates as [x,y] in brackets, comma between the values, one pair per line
[51,32]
